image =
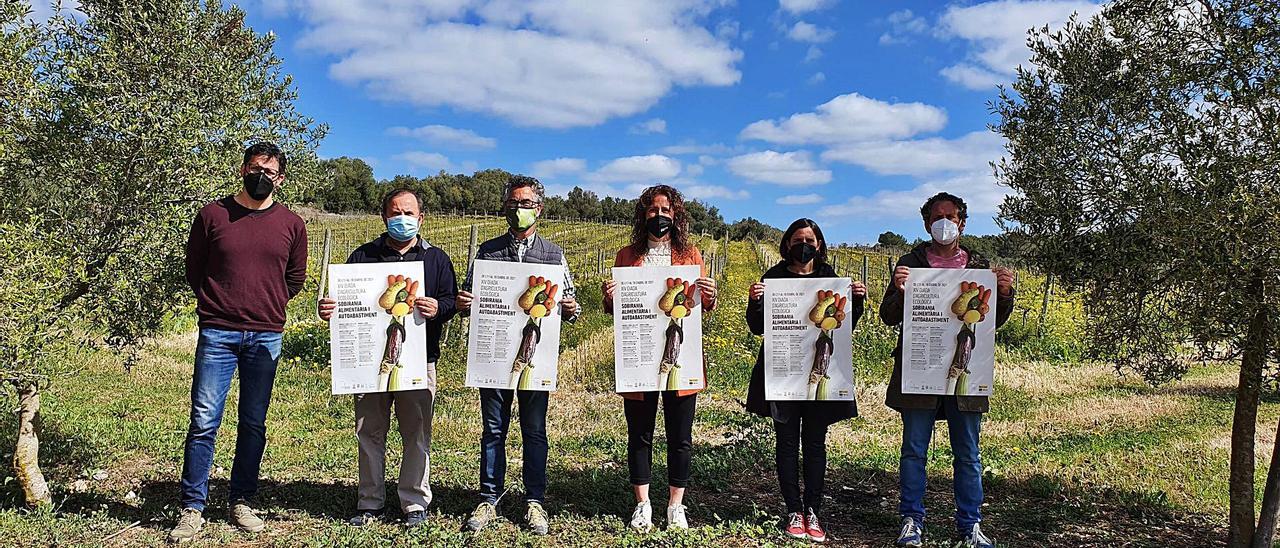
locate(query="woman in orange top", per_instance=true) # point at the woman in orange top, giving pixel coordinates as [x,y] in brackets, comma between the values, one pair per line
[660,237]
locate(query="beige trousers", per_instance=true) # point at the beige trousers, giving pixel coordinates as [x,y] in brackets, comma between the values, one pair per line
[413,410]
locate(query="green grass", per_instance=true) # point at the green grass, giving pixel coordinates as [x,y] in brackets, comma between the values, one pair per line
[1075,455]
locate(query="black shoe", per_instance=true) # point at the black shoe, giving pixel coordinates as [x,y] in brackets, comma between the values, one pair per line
[365,517]
[415,518]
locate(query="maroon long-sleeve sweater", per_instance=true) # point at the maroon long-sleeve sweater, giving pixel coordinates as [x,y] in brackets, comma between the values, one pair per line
[245,265]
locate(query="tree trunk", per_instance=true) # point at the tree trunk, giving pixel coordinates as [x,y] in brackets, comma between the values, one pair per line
[1241,522]
[26,454]
[1264,536]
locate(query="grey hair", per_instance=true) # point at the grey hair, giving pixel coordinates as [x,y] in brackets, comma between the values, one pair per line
[521,181]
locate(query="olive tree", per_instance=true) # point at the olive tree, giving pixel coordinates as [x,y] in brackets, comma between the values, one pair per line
[130,117]
[1144,158]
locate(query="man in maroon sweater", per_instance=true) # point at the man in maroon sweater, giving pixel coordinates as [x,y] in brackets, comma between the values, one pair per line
[246,257]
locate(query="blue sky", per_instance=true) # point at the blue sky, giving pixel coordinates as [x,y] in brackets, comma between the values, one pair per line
[846,111]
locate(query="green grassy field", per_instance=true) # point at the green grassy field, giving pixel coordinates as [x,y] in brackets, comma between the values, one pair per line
[1075,455]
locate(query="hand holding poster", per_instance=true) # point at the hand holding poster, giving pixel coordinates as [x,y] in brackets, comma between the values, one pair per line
[657,329]
[377,343]
[949,332]
[808,345]
[515,326]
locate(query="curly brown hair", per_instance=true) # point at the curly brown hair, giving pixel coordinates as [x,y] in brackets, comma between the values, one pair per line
[679,226]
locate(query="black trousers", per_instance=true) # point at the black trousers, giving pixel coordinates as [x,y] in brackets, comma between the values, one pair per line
[677,417]
[801,430]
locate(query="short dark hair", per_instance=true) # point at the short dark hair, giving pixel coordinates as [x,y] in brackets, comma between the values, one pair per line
[927,208]
[784,247]
[386,200]
[265,148]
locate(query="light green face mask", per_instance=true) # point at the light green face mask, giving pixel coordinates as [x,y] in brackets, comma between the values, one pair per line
[521,218]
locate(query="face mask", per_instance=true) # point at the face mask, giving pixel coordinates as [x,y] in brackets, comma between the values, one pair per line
[521,218]
[402,227]
[659,225]
[944,231]
[802,253]
[258,185]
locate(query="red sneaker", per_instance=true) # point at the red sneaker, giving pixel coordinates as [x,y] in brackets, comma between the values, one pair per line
[796,527]
[813,528]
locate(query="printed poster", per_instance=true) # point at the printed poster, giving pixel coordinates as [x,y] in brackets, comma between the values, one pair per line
[514,341]
[657,329]
[949,332]
[377,340]
[808,341]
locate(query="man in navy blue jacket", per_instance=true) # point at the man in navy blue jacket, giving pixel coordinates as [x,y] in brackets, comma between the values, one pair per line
[402,213]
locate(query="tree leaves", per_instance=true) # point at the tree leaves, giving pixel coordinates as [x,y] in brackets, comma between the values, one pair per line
[134,117]
[1144,160]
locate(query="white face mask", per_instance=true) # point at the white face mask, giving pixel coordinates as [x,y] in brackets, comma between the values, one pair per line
[944,231]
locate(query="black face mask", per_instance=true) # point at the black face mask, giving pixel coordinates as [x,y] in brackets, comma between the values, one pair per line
[258,185]
[658,225]
[802,253]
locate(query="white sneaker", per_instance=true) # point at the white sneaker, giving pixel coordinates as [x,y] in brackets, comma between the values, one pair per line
[975,539]
[676,518]
[642,517]
[912,533]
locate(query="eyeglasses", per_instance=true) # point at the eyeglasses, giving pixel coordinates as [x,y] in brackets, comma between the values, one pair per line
[271,173]
[523,204]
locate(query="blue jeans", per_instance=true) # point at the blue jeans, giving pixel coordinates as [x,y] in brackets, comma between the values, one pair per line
[495,408]
[219,353]
[917,430]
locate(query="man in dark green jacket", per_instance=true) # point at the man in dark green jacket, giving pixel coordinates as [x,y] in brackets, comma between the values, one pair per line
[944,217]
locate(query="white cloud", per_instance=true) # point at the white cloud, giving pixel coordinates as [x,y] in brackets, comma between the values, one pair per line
[707,192]
[997,34]
[850,118]
[812,54]
[691,188]
[728,30]
[445,136]
[979,191]
[804,6]
[601,189]
[784,168]
[543,63]
[694,148]
[707,160]
[550,169]
[800,199]
[923,157]
[652,125]
[817,78]
[902,25]
[694,170]
[808,32]
[653,167]
[430,161]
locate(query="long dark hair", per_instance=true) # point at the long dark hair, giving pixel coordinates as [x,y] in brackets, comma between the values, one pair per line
[679,218]
[785,246]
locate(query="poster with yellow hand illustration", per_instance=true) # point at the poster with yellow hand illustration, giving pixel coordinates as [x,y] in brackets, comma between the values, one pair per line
[377,340]
[949,332]
[808,339]
[514,342]
[657,329]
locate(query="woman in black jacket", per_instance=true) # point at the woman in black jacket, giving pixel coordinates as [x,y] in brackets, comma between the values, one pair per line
[797,423]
